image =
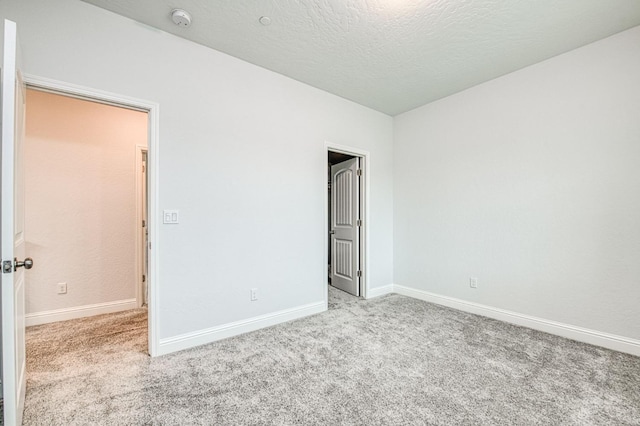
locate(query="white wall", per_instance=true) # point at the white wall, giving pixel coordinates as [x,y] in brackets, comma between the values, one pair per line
[530,182]
[248,219]
[80,200]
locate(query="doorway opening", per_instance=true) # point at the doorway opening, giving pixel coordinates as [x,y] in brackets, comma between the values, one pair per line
[346,220]
[96,190]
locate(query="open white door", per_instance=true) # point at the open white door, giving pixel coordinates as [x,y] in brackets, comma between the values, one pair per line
[12,228]
[345,231]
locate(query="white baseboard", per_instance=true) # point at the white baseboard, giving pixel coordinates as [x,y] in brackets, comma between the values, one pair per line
[598,338]
[379,291]
[55,315]
[202,337]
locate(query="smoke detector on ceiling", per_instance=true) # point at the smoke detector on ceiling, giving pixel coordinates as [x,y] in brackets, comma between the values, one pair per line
[181,17]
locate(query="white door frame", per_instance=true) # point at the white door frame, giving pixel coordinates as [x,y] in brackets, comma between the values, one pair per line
[153,111]
[140,258]
[365,165]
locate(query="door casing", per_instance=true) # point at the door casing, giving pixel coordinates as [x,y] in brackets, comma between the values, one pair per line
[141,215]
[153,113]
[364,213]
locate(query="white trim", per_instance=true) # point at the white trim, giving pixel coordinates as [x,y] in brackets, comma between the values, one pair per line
[208,335]
[153,111]
[65,314]
[593,337]
[153,266]
[87,93]
[138,230]
[380,291]
[365,165]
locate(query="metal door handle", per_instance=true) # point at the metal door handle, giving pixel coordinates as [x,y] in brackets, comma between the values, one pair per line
[28,263]
[332,232]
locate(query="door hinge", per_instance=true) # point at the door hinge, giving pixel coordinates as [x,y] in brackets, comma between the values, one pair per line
[359,172]
[7,266]
[144,278]
[359,222]
[144,223]
[359,273]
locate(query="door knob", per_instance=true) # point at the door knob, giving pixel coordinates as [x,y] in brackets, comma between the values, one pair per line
[332,232]
[28,263]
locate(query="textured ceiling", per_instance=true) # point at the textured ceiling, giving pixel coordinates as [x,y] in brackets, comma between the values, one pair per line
[390,55]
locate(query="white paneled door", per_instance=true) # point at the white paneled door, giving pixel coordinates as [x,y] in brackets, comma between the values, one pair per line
[12,228]
[345,230]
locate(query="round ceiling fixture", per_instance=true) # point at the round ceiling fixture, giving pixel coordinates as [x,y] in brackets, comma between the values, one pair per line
[181,17]
[265,20]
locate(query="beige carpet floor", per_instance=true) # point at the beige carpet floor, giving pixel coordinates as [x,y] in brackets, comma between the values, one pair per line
[386,361]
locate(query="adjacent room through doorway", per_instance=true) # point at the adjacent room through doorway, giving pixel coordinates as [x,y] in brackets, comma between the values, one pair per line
[86,204]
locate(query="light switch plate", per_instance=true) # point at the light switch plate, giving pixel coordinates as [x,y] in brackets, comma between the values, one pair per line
[171,216]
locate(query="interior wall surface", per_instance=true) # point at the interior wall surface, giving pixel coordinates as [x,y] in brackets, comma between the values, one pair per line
[241,156]
[80,215]
[529,183]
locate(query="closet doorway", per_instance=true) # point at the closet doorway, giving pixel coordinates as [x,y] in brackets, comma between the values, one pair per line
[346,220]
